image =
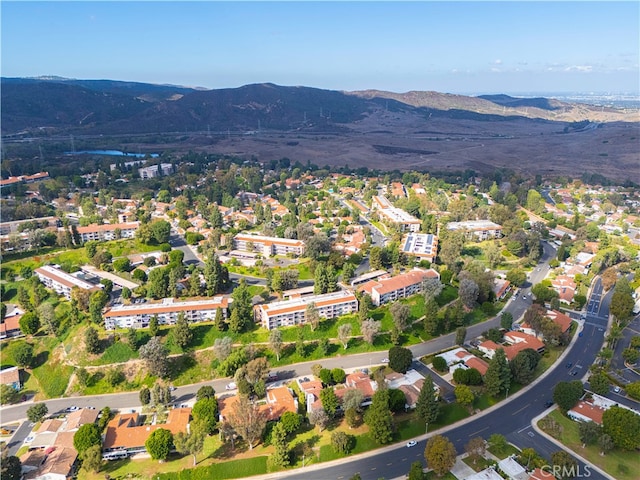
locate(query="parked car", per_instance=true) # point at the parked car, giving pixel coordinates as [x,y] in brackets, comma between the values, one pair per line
[616,389]
[569,365]
[412,443]
[231,386]
[548,403]
[384,360]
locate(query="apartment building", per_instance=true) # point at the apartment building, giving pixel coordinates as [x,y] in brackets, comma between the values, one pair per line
[62,282]
[397,216]
[293,312]
[139,315]
[267,246]
[111,231]
[389,289]
[480,229]
[421,245]
[162,170]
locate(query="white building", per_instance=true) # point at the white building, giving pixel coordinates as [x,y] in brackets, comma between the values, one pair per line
[109,231]
[394,215]
[167,311]
[267,246]
[293,312]
[62,282]
[481,229]
[161,170]
[421,245]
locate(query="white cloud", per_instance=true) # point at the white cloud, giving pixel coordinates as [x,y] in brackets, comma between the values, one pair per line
[579,68]
[497,62]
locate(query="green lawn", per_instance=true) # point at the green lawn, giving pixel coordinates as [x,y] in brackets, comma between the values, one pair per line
[232,469]
[503,453]
[610,463]
[481,463]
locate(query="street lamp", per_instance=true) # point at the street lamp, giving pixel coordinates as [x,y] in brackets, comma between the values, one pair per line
[426,428]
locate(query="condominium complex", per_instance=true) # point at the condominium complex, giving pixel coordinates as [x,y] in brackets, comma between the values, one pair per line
[110,231]
[481,229]
[394,215]
[389,289]
[293,312]
[167,311]
[421,245]
[62,282]
[162,170]
[267,246]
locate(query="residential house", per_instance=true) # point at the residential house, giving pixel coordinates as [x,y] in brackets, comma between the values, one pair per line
[389,289]
[517,341]
[160,170]
[512,469]
[584,411]
[566,288]
[501,287]
[358,381]
[311,390]
[125,432]
[11,376]
[278,401]
[10,327]
[539,474]
[167,311]
[53,463]
[294,311]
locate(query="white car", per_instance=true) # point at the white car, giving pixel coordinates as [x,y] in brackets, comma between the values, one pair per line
[231,386]
[384,360]
[412,443]
[616,389]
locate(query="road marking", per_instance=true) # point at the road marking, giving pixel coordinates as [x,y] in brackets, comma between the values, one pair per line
[518,411]
[373,468]
[404,459]
[523,429]
[472,434]
[389,464]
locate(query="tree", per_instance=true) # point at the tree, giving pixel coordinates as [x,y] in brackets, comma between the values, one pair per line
[440,364]
[91,340]
[506,320]
[11,467]
[23,354]
[205,410]
[248,420]
[498,376]
[400,359]
[622,301]
[431,288]
[468,292]
[564,465]
[29,323]
[319,418]
[344,332]
[290,422]
[631,355]
[400,314]
[155,355]
[159,444]
[243,304]
[145,396]
[87,436]
[498,441]
[47,316]
[352,400]
[623,426]
[589,432]
[476,448]
[431,323]
[275,342]
[378,418]
[397,400]
[633,390]
[605,443]
[222,348]
[428,406]
[330,401]
[461,335]
[154,326]
[370,329]
[517,277]
[37,412]
[341,442]
[206,391]
[599,383]
[440,454]
[280,457]
[567,394]
[523,366]
[160,231]
[464,395]
[182,333]
[312,316]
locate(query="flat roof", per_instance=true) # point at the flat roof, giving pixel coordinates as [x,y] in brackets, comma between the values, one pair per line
[167,306]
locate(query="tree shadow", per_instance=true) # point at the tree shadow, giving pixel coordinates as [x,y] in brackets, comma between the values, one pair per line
[179,365]
[40,359]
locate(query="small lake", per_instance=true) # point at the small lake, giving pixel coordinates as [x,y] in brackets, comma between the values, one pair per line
[114,153]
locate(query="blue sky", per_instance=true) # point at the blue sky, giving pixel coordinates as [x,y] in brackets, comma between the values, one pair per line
[456,47]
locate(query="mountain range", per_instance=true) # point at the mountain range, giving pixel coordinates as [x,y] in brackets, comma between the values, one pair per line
[421,130]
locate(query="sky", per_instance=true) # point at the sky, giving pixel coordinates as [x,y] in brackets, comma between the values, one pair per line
[455,47]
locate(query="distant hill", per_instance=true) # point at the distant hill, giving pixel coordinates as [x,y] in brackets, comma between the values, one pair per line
[112,107]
